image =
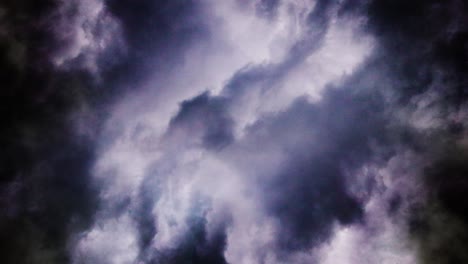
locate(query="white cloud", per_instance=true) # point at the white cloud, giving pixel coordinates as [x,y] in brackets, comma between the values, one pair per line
[113,242]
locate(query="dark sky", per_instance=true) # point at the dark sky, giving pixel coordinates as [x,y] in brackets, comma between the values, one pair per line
[234,131]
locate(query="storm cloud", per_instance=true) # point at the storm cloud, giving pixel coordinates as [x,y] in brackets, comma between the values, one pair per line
[277,131]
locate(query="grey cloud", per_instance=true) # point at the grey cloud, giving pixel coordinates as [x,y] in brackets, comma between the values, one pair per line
[86,35]
[421,44]
[203,118]
[197,245]
[46,190]
[157,35]
[267,7]
[322,144]
[314,167]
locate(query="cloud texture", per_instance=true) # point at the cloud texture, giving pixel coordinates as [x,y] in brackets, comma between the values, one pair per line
[279,131]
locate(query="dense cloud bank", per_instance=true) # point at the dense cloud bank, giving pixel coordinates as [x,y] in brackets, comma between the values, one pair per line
[268,131]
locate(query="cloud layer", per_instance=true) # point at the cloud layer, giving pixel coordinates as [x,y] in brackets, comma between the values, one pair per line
[283,131]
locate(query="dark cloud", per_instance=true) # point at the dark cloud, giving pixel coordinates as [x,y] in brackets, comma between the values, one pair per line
[440,226]
[202,121]
[423,39]
[144,217]
[197,248]
[203,118]
[198,245]
[423,44]
[45,189]
[323,143]
[302,161]
[449,182]
[157,33]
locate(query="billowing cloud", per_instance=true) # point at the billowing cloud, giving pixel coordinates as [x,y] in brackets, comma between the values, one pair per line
[267,131]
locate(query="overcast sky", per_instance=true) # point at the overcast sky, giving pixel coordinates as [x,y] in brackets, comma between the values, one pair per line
[234,131]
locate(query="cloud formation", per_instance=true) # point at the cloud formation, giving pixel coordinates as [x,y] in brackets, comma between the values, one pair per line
[279,131]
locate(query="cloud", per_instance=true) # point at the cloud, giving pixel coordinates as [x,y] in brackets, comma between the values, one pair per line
[46,192]
[283,131]
[205,119]
[84,31]
[206,124]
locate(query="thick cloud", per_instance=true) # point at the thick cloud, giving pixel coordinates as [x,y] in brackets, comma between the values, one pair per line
[269,131]
[203,118]
[197,246]
[309,194]
[157,34]
[83,31]
[291,196]
[46,193]
[424,40]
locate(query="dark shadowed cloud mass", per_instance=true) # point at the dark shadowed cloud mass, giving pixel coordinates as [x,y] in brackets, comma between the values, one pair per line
[215,132]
